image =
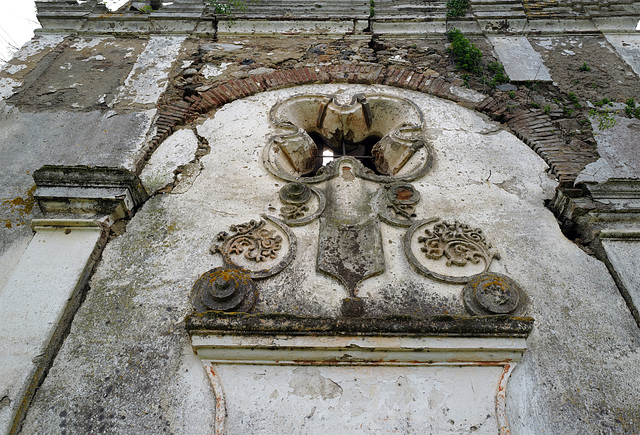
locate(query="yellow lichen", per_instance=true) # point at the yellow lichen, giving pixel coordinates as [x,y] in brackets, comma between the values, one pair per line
[22,206]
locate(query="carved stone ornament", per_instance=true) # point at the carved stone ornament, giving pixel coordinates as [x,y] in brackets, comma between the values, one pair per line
[302,203]
[493,293]
[397,204]
[453,252]
[384,132]
[262,247]
[224,289]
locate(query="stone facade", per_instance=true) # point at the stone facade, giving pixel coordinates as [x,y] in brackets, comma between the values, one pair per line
[180,254]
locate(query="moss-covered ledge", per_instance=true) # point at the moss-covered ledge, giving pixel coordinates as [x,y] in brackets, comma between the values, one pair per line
[279,323]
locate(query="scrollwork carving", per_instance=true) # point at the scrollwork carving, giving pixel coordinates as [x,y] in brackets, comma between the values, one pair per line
[465,250]
[457,242]
[255,244]
[251,239]
[299,206]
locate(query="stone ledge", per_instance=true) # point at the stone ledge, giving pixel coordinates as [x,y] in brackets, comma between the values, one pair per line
[278,323]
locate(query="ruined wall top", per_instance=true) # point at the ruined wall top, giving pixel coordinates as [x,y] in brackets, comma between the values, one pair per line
[287,17]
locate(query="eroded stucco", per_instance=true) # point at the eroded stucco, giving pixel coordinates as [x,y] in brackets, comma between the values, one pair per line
[128,351]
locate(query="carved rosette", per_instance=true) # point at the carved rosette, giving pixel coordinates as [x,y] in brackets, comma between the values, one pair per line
[262,247]
[224,289]
[492,293]
[301,203]
[397,204]
[453,252]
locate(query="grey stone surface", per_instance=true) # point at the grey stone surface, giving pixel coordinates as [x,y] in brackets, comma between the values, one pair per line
[628,46]
[56,112]
[624,256]
[35,306]
[619,149]
[520,60]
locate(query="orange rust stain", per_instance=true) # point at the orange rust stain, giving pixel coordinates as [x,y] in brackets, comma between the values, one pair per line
[403,194]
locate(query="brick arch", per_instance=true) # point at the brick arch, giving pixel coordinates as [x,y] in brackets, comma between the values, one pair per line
[530,125]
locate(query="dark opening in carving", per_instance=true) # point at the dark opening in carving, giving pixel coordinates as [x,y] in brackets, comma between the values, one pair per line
[327,151]
[382,132]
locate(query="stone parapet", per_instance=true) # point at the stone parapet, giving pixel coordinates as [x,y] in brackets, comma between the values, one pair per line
[331,17]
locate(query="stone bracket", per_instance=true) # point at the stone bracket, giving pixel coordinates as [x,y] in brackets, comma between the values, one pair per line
[87,192]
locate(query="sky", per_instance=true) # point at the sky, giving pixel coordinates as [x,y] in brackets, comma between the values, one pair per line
[17,21]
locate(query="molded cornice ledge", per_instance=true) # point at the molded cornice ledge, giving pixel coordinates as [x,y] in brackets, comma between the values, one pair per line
[87,192]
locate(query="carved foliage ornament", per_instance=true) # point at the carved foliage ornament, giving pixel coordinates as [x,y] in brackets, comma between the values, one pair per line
[252,245]
[253,240]
[457,242]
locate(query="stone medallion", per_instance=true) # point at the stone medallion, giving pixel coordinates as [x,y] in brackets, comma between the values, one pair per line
[453,252]
[224,289]
[262,247]
[492,293]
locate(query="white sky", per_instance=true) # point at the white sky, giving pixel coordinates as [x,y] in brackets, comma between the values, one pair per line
[17,21]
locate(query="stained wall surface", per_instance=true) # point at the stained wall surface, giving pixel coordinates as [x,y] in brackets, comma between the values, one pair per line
[127,363]
[104,99]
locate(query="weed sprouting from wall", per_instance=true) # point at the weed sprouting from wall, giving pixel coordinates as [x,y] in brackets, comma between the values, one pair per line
[230,6]
[457,8]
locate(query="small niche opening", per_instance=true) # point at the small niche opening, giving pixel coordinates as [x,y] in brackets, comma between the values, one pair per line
[327,153]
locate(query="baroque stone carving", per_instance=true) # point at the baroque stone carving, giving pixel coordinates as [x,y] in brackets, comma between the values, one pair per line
[255,243]
[297,199]
[251,239]
[457,242]
[397,204]
[493,293]
[462,247]
[224,289]
[384,132]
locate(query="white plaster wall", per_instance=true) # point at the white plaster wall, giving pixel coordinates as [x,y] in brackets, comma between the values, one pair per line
[372,400]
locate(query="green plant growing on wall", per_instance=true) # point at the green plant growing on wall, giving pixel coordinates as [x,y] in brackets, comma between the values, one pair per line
[499,75]
[372,8]
[466,55]
[605,118]
[584,67]
[631,109]
[231,6]
[146,9]
[457,8]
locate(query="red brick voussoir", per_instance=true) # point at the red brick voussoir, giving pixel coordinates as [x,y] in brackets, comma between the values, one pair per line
[531,126]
